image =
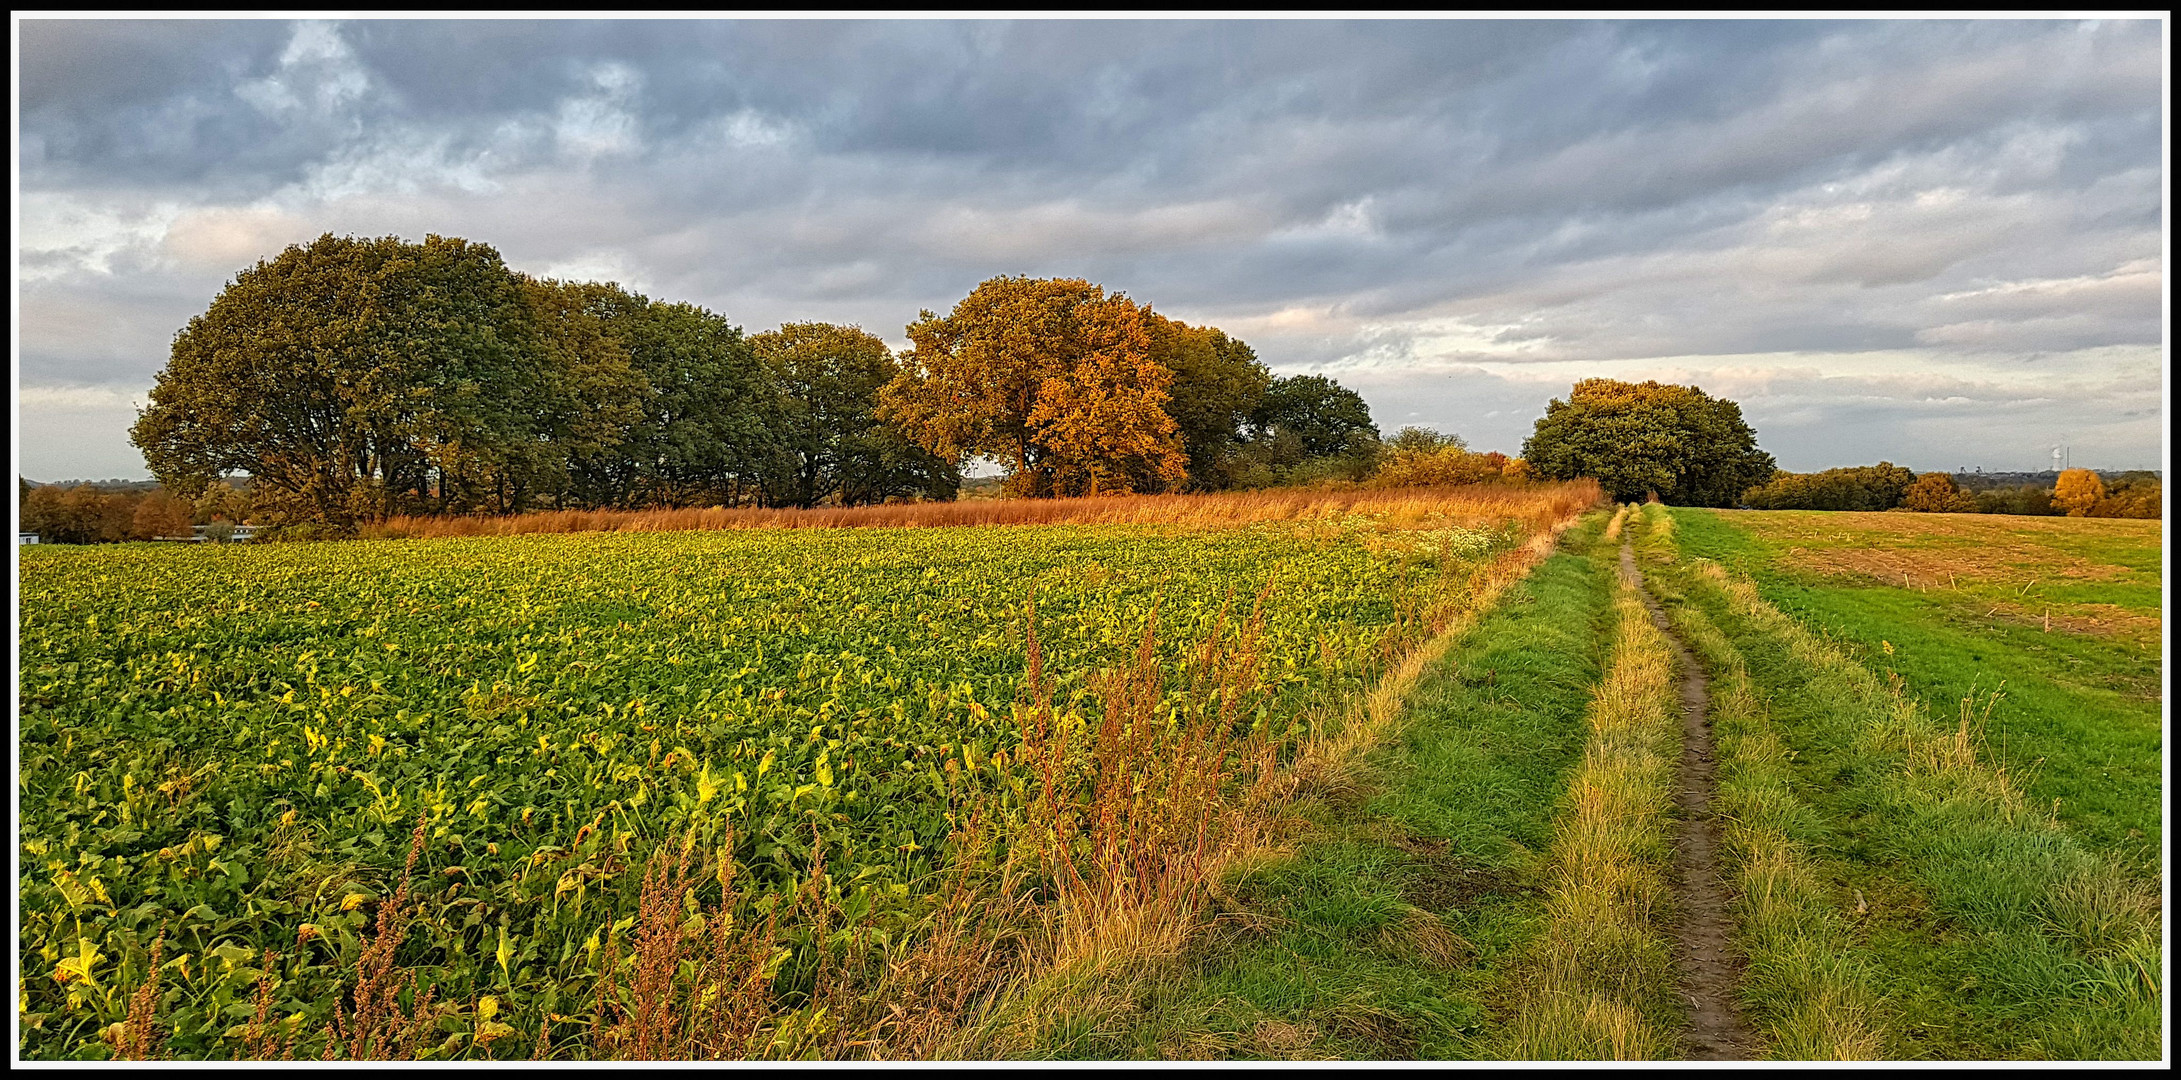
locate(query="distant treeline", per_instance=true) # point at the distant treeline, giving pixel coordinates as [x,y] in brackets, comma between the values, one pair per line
[353,379]
[112,511]
[1886,486]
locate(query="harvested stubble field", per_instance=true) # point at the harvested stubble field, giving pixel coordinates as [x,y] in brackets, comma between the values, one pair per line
[734,793]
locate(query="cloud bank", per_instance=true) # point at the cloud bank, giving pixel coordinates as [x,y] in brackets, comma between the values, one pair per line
[1933,242]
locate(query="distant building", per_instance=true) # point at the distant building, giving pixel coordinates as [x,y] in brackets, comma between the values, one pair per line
[237,533]
[26,538]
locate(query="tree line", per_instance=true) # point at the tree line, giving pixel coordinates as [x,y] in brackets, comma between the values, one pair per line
[352,378]
[1886,486]
[1691,449]
[115,512]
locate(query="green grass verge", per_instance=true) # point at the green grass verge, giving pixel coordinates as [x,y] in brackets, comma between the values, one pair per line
[1597,982]
[1984,927]
[2077,723]
[1386,933]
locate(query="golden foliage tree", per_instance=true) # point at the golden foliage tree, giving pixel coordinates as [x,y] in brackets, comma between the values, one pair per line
[2077,491]
[1050,376]
[1421,457]
[1937,493]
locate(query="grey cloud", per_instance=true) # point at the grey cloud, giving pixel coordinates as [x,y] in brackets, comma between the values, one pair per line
[1366,197]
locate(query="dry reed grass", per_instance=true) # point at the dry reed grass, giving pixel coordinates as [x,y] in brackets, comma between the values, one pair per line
[1613,527]
[1536,506]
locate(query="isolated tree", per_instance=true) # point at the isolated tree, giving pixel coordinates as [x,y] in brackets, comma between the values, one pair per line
[350,377]
[1938,493]
[1050,376]
[1638,438]
[2077,492]
[829,441]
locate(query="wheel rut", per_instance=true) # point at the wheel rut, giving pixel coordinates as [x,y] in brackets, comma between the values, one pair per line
[1703,935]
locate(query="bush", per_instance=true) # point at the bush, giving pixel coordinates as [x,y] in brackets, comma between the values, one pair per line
[1937,493]
[1421,457]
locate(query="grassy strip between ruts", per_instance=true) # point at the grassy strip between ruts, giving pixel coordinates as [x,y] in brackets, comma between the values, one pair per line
[1379,928]
[1597,981]
[1888,871]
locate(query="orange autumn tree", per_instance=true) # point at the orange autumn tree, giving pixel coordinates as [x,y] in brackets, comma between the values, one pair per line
[1052,377]
[2077,491]
[1937,493]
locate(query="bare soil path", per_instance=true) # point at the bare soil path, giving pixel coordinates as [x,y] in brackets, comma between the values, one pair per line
[1704,934]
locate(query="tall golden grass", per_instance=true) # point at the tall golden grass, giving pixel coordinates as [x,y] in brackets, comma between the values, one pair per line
[1613,527]
[1537,506]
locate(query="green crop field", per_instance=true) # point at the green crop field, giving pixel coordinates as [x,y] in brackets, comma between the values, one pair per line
[229,747]
[2062,617]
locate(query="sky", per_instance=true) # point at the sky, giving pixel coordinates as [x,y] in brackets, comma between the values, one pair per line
[1938,243]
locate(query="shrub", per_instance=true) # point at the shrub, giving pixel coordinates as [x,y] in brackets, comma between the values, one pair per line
[1937,493]
[1421,457]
